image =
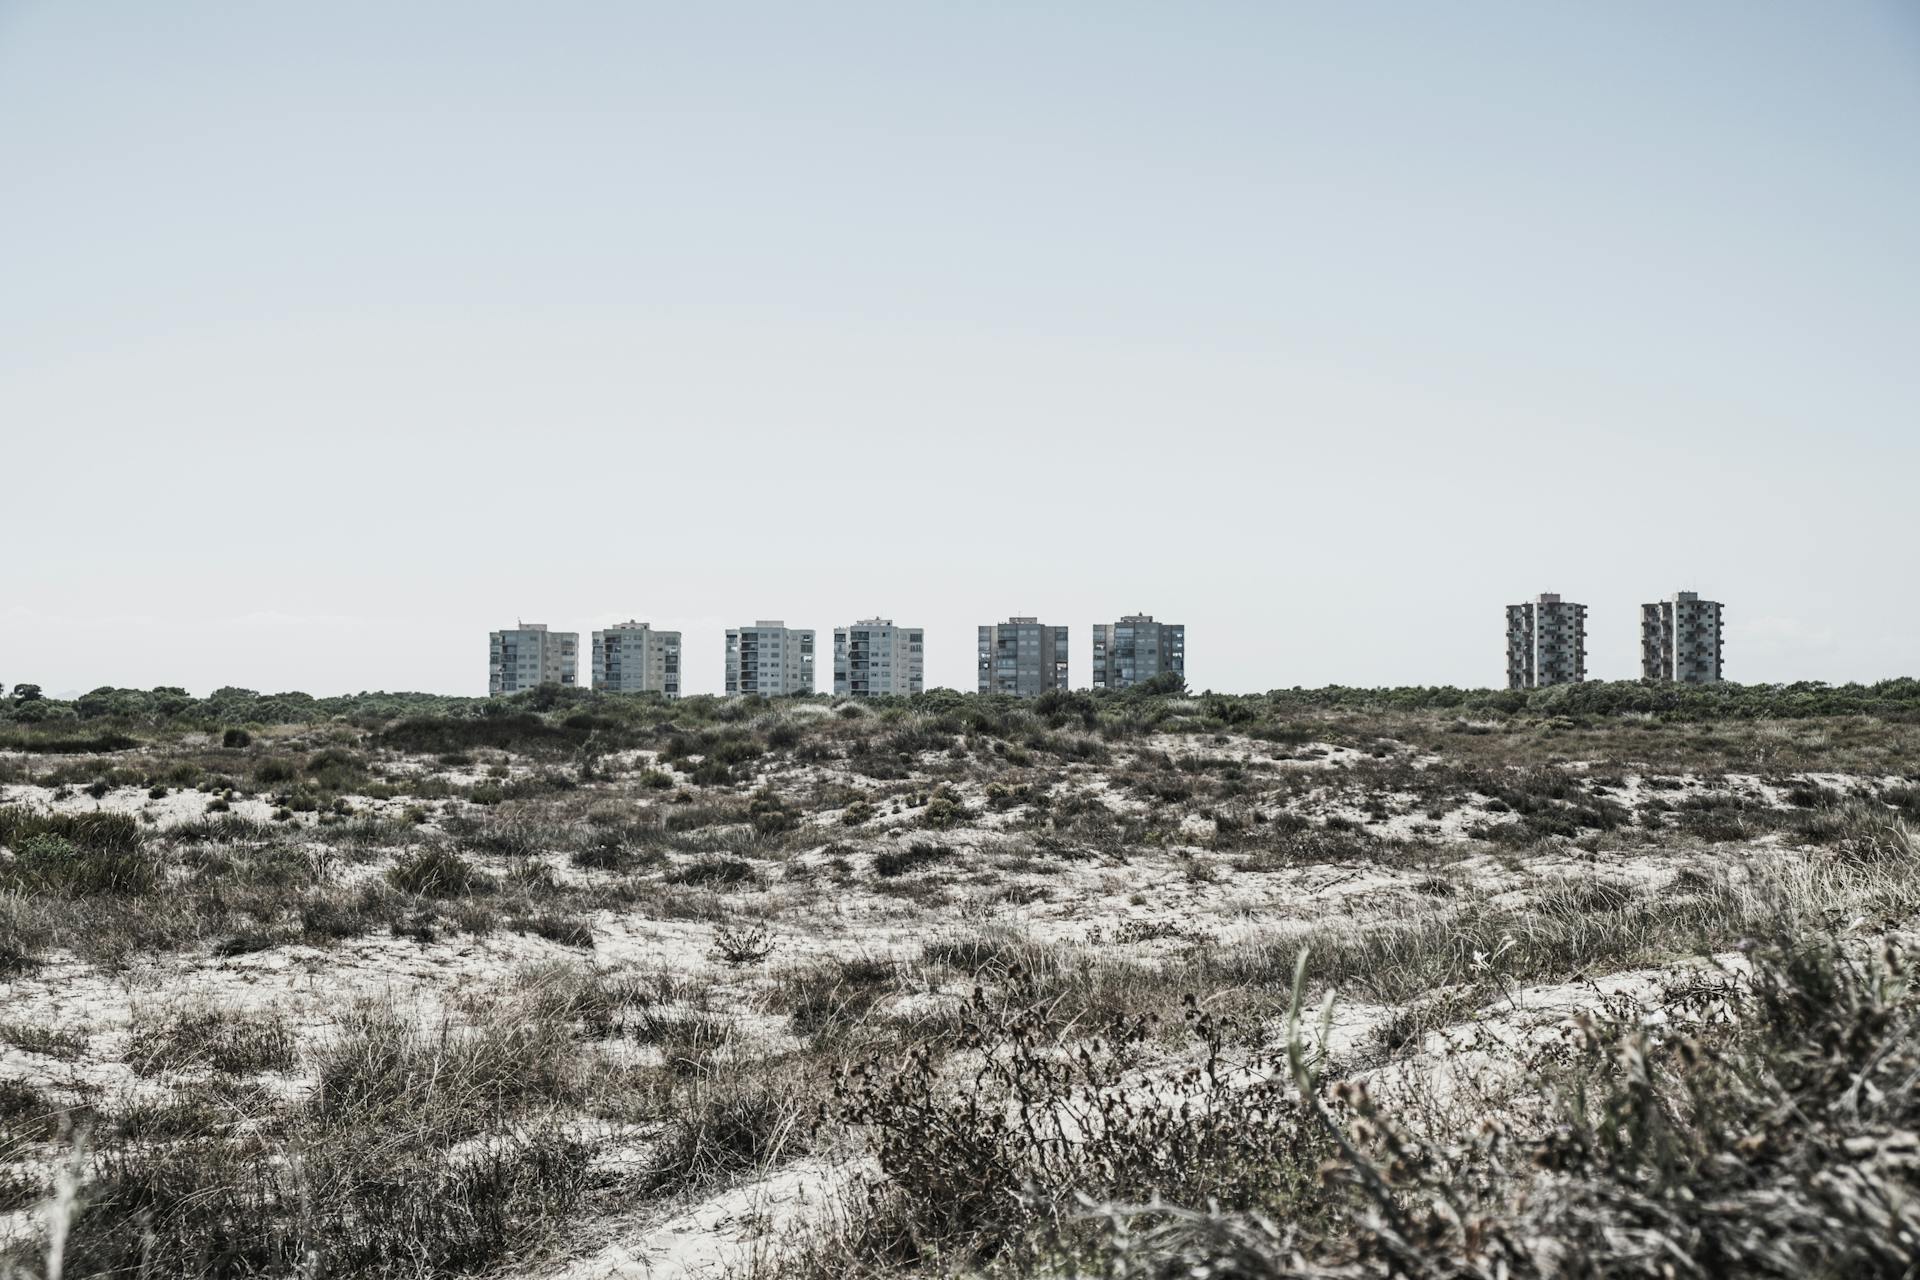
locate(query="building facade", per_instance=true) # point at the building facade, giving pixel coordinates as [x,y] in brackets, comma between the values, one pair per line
[1135,650]
[631,657]
[770,658]
[1546,643]
[1680,639]
[1021,657]
[875,657]
[529,655]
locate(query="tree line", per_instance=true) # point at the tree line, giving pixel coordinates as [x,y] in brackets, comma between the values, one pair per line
[170,706]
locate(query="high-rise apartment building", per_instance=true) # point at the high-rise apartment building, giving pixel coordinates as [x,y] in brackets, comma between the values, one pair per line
[631,657]
[769,658]
[1546,643]
[1021,657]
[1680,639]
[530,655]
[1135,650]
[873,657]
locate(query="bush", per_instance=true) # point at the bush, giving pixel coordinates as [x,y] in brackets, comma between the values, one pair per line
[720,871]
[330,918]
[769,817]
[219,1039]
[1772,1137]
[568,931]
[942,814]
[833,997]
[336,770]
[24,934]
[528,734]
[274,770]
[236,739]
[366,1204]
[606,851]
[916,857]
[742,945]
[95,832]
[988,1171]
[726,1131]
[48,863]
[438,872]
[99,744]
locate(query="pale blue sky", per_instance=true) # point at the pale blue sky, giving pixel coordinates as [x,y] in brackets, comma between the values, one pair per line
[333,335]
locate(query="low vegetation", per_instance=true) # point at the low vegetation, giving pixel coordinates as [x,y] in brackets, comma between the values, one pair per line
[1597,981]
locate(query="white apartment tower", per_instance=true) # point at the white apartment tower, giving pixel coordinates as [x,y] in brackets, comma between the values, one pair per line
[1546,643]
[770,658]
[875,657]
[530,655]
[1680,639]
[1136,649]
[1021,657]
[631,657]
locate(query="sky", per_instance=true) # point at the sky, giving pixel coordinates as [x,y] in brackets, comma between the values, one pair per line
[334,336]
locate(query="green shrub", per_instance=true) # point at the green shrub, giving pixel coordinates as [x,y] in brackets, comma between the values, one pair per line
[713,871]
[833,997]
[438,872]
[526,734]
[916,857]
[48,863]
[769,817]
[222,1040]
[710,773]
[606,851]
[101,832]
[99,744]
[554,926]
[942,814]
[986,1171]
[329,918]
[207,1205]
[274,770]
[742,944]
[1759,1142]
[725,1131]
[24,934]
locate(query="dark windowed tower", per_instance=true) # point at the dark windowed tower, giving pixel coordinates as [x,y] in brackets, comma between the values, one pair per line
[1546,643]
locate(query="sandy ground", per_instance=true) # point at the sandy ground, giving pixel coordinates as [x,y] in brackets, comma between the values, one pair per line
[824,902]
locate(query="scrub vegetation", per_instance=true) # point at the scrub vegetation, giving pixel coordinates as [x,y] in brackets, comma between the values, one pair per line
[1608,980]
